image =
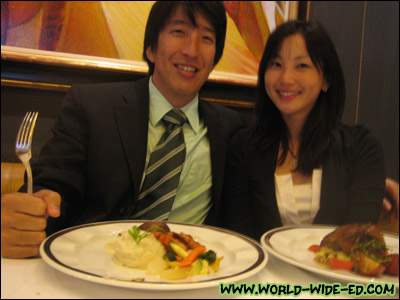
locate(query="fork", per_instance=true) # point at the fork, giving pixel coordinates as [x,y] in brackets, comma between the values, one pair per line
[23,144]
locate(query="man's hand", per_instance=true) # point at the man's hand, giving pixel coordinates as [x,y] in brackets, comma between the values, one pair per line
[24,220]
[391,200]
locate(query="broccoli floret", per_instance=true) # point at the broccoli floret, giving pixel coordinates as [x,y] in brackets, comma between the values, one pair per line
[171,256]
[210,256]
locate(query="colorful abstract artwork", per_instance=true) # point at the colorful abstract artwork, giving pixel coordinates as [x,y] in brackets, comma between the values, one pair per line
[114,30]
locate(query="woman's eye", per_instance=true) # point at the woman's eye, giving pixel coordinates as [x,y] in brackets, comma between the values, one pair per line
[303,66]
[274,64]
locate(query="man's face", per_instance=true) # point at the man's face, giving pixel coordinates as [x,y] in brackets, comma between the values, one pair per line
[184,57]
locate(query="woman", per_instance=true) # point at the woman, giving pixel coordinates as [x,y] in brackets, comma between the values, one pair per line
[300,165]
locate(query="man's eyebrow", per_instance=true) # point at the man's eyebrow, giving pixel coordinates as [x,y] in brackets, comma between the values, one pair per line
[208,29]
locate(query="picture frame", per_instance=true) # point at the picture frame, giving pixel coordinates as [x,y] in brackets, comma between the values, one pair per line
[51,33]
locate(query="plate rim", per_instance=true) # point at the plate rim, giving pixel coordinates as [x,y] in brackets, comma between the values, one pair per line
[265,242]
[54,262]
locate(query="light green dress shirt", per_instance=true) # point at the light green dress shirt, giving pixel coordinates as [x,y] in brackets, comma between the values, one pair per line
[193,197]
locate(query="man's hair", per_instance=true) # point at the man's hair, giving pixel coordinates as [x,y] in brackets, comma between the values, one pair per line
[212,11]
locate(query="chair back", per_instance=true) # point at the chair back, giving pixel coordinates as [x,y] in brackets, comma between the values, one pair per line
[12,177]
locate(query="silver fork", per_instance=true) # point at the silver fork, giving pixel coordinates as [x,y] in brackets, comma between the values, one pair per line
[23,144]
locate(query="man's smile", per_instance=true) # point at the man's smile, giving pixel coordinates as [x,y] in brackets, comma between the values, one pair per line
[186,68]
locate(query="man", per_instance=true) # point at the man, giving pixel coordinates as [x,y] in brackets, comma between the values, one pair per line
[95,166]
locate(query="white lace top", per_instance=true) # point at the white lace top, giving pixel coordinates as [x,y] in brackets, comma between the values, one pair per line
[298,204]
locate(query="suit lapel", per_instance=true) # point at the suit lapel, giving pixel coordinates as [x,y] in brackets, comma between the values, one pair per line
[132,121]
[215,130]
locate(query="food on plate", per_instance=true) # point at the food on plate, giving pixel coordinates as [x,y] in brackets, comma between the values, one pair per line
[393,265]
[356,247]
[136,253]
[161,252]
[154,226]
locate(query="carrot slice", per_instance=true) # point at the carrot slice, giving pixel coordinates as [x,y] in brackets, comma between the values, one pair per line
[314,248]
[341,264]
[162,237]
[192,256]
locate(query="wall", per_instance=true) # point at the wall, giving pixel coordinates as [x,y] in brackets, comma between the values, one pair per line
[365,34]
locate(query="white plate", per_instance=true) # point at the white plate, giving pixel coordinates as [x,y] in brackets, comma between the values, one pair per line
[290,244]
[79,252]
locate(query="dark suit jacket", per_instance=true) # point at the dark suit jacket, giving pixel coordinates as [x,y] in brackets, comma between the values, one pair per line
[352,187]
[96,157]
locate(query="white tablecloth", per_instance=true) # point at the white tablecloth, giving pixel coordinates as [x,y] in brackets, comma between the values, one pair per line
[33,278]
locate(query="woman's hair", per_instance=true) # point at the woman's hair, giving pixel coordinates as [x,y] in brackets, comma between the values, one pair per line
[320,133]
[213,11]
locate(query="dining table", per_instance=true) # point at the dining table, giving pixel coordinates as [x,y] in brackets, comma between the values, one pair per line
[34,279]
[74,263]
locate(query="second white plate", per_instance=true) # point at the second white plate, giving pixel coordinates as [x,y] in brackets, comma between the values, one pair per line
[290,244]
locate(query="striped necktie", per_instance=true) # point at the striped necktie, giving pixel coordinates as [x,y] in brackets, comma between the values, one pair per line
[163,171]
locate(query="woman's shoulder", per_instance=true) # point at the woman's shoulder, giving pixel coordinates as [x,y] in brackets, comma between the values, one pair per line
[356,133]
[358,137]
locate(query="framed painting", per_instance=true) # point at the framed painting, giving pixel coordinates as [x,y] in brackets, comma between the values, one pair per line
[109,34]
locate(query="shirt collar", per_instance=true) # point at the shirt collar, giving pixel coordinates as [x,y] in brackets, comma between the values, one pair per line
[159,106]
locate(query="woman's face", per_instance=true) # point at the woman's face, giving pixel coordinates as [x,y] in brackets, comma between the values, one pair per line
[292,81]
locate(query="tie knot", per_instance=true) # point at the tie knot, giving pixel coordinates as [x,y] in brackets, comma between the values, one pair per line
[175,116]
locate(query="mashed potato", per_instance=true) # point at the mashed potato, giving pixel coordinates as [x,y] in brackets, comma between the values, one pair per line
[148,252]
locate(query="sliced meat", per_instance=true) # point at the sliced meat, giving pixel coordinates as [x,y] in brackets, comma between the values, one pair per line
[154,226]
